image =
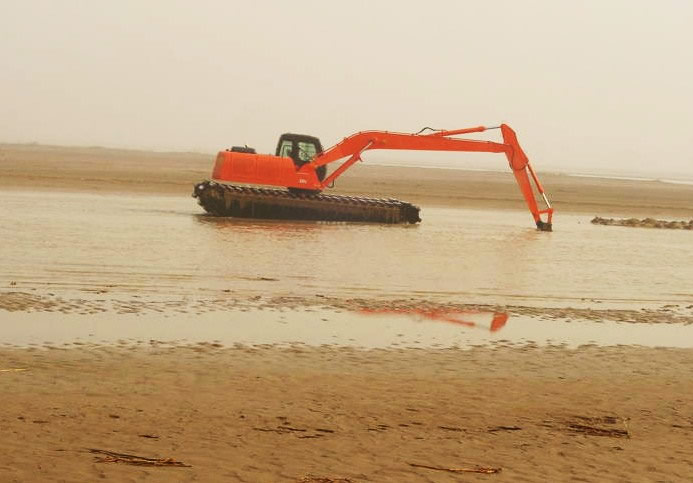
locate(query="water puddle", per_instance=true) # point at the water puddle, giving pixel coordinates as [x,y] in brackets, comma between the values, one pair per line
[367,329]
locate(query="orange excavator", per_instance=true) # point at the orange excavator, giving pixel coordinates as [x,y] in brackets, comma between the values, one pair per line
[300,165]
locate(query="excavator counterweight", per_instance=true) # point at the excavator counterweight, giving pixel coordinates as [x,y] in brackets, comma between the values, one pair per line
[299,165]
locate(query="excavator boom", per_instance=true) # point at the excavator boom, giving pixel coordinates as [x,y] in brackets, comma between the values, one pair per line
[353,146]
[306,179]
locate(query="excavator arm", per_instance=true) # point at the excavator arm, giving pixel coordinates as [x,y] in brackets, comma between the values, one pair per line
[353,146]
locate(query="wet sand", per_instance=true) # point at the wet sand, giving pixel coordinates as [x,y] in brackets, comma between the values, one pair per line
[300,413]
[645,223]
[102,302]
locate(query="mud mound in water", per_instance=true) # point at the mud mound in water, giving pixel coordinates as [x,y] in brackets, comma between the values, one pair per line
[644,223]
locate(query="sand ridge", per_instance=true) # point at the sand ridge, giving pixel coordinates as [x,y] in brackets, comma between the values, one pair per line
[644,223]
[120,303]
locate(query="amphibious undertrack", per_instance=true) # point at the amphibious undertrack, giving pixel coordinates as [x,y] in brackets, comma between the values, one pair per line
[248,202]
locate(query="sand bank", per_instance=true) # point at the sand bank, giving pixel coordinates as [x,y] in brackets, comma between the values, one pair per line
[40,167]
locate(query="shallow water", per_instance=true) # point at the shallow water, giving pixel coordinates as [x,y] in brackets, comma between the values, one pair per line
[329,327]
[164,245]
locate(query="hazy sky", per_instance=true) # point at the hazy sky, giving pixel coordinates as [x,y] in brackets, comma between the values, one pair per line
[588,85]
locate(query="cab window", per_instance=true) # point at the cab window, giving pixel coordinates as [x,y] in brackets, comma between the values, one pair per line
[285,149]
[306,151]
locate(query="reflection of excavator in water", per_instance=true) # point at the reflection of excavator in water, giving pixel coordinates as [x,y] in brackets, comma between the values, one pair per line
[466,318]
[300,164]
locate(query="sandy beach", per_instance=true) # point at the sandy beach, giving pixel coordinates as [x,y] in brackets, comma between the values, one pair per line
[268,414]
[332,413]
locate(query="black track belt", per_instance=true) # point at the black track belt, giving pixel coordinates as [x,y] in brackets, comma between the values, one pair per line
[246,202]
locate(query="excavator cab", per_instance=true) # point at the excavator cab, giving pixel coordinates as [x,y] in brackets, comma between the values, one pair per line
[301,148]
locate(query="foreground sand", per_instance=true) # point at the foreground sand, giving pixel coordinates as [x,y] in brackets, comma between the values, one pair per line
[39,167]
[273,414]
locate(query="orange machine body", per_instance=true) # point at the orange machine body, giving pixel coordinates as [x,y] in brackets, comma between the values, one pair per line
[263,169]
